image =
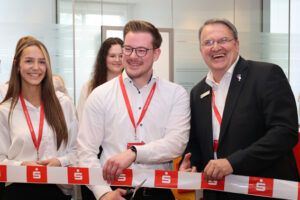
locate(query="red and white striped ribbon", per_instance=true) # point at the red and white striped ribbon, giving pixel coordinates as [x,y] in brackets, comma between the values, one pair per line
[154,179]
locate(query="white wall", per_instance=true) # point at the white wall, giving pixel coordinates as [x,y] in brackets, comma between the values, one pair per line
[295,49]
[33,11]
[279,16]
[248,15]
[158,12]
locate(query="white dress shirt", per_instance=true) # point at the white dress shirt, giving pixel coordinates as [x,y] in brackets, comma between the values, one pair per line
[220,90]
[105,121]
[3,90]
[82,99]
[16,143]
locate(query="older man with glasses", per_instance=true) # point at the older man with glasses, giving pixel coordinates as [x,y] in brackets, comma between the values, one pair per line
[140,120]
[243,115]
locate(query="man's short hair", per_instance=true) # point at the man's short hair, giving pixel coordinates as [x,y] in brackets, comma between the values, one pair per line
[143,26]
[220,21]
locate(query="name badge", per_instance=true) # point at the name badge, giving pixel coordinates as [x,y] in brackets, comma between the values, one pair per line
[135,144]
[204,94]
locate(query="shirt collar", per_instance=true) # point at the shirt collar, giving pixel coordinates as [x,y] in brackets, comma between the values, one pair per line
[210,79]
[153,78]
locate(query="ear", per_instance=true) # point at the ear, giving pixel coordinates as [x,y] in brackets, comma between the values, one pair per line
[237,44]
[156,54]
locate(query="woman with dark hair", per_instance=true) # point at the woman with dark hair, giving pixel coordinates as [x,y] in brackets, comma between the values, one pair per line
[38,127]
[108,65]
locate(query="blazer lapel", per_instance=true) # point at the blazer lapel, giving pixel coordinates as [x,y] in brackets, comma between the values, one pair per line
[206,109]
[238,79]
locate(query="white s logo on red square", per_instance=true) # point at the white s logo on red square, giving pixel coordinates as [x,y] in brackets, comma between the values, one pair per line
[36,174]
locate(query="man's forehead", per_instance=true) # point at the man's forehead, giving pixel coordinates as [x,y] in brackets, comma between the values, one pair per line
[217,27]
[138,37]
[138,34]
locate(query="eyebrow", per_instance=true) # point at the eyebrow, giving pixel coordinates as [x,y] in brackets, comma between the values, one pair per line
[28,57]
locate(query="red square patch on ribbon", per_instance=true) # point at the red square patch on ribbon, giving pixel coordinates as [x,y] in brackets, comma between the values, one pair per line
[3,173]
[216,185]
[261,186]
[36,174]
[166,179]
[125,178]
[77,175]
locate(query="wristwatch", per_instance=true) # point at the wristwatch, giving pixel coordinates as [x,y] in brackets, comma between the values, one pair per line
[133,149]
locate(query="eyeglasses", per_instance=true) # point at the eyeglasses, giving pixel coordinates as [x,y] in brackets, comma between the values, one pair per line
[139,51]
[222,41]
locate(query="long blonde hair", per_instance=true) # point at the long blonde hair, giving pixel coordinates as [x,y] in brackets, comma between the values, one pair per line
[52,108]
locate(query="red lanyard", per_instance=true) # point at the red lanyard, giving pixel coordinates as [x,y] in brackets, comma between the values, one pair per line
[35,142]
[147,103]
[218,116]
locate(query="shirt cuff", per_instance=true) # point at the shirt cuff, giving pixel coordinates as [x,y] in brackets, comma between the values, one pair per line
[99,190]
[18,163]
[64,161]
[141,153]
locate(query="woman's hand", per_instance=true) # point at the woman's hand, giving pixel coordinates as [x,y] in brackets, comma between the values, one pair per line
[30,163]
[53,162]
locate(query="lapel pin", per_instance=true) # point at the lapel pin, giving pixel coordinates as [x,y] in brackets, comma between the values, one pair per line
[239,77]
[204,94]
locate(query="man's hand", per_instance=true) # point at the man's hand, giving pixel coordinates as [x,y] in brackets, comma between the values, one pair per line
[53,162]
[114,195]
[217,169]
[116,164]
[186,164]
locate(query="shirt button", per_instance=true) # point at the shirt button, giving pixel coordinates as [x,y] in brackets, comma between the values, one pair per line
[140,108]
[141,124]
[130,81]
[139,92]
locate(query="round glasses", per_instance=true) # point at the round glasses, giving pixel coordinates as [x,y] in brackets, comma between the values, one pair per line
[139,51]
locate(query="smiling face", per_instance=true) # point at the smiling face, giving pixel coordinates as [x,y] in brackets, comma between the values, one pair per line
[32,67]
[114,59]
[218,57]
[140,67]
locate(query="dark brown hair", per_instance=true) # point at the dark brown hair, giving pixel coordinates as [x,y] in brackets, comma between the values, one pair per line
[99,74]
[143,26]
[52,108]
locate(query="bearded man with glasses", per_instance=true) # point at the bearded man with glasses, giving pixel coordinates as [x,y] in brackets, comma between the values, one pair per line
[243,115]
[141,120]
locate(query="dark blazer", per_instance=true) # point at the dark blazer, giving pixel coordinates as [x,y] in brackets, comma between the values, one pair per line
[259,124]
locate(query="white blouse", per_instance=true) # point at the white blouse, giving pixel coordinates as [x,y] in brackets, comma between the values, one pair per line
[16,143]
[82,99]
[3,90]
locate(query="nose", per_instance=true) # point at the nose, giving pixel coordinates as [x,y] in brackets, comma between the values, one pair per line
[118,58]
[216,46]
[36,65]
[133,54]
